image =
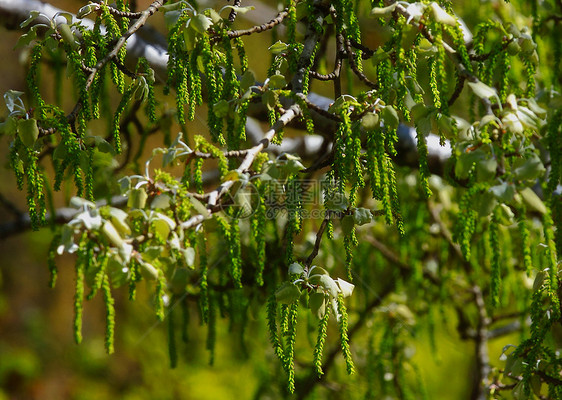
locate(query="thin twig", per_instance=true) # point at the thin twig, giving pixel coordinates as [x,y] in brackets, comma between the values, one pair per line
[259,28]
[123,14]
[367,52]
[332,75]
[316,248]
[355,68]
[458,90]
[316,108]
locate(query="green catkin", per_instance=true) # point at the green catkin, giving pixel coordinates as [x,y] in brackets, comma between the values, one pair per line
[109,315]
[552,263]
[272,327]
[384,78]
[290,348]
[460,45]
[284,319]
[90,175]
[79,298]
[435,81]
[198,175]
[16,164]
[424,166]
[232,236]
[96,93]
[230,91]
[401,89]
[134,277]
[349,241]
[40,196]
[383,173]
[239,44]
[159,296]
[320,340]
[117,117]
[213,77]
[291,22]
[495,262]
[348,24]
[33,79]
[203,283]
[341,158]
[89,55]
[503,66]
[196,87]
[81,125]
[123,22]
[466,222]
[75,60]
[172,348]
[182,92]
[272,117]
[240,119]
[98,277]
[344,339]
[212,331]
[258,233]
[525,239]
[35,194]
[373,166]
[391,140]
[78,178]
[114,32]
[393,191]
[556,203]
[294,202]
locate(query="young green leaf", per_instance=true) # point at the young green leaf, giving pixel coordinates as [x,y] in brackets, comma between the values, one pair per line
[28,131]
[288,293]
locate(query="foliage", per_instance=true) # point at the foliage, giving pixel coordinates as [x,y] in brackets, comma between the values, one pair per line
[467,234]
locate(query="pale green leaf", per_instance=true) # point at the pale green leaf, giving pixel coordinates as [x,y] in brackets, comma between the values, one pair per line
[288,293]
[278,47]
[28,131]
[296,268]
[137,198]
[277,82]
[442,16]
[200,23]
[362,216]
[532,200]
[346,288]
[383,11]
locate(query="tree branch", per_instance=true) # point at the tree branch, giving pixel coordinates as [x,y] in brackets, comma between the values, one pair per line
[481,384]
